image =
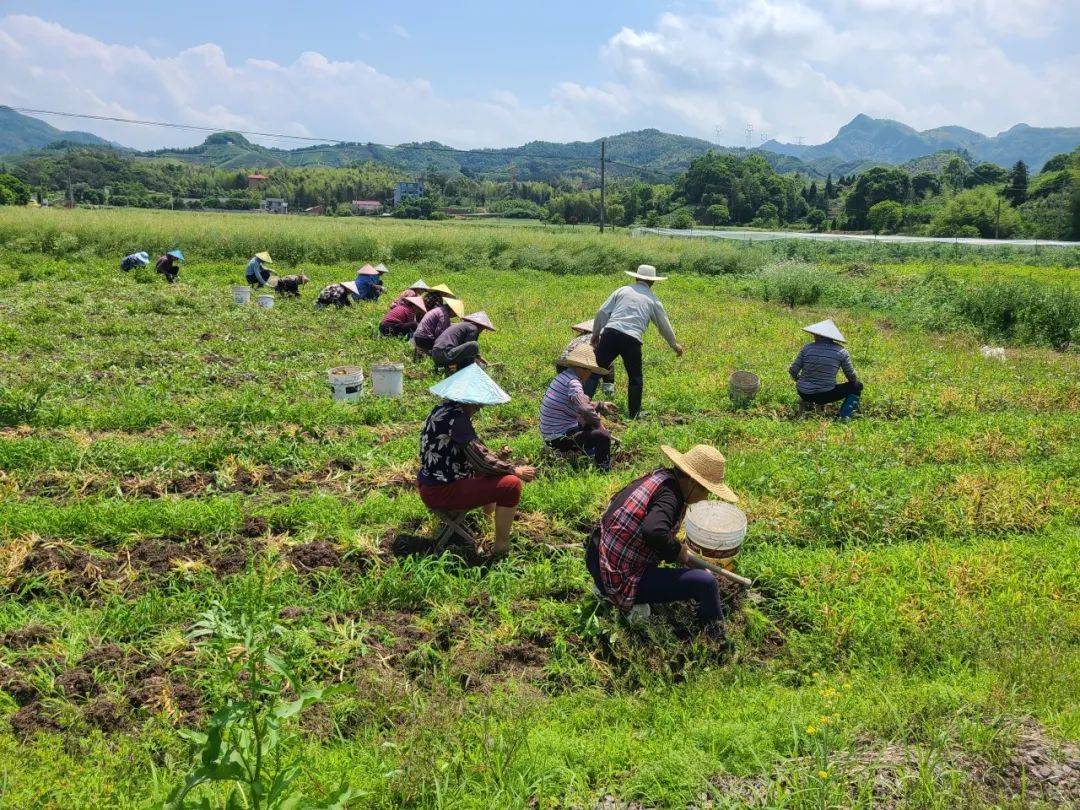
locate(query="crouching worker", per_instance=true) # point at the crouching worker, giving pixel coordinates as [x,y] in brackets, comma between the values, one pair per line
[289,286]
[436,321]
[457,472]
[403,317]
[133,260]
[638,532]
[815,368]
[256,274]
[584,338]
[459,345]
[368,285]
[569,420]
[169,265]
[337,294]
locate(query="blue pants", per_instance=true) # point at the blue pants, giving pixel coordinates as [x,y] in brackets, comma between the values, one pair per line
[659,585]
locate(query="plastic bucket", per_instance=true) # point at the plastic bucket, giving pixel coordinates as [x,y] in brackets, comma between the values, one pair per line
[715,529]
[743,387]
[241,295]
[387,379]
[346,383]
[266,301]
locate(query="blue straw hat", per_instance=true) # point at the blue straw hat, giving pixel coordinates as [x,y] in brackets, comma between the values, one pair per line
[470,386]
[176,254]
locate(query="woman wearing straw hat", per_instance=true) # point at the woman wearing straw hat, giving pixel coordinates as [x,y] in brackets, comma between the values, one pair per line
[419,288]
[584,338]
[569,420]
[815,368]
[368,284]
[638,531]
[403,318]
[459,345]
[619,327]
[256,273]
[436,321]
[457,472]
[169,264]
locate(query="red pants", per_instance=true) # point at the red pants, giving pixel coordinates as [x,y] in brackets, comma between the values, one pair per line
[470,493]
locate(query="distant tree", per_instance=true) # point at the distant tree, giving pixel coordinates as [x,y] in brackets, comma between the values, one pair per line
[652,219]
[955,173]
[986,174]
[682,221]
[1017,189]
[925,184]
[1056,163]
[717,214]
[978,208]
[874,186]
[815,218]
[830,191]
[812,194]
[13,191]
[768,216]
[885,216]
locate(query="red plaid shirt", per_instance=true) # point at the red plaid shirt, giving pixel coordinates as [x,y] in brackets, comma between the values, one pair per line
[624,555]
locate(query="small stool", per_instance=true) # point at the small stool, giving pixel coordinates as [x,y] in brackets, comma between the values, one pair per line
[453,525]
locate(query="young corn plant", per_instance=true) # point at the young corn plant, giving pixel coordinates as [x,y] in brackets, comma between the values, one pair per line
[248,741]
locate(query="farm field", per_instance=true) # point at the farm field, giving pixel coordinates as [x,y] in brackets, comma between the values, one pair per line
[168,458]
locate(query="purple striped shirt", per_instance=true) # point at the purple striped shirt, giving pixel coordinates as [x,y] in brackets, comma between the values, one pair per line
[563,404]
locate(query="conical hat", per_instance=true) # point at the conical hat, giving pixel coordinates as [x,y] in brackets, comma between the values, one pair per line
[481,319]
[143,257]
[367,270]
[176,253]
[470,386]
[442,289]
[582,357]
[457,306]
[826,329]
[349,285]
[417,302]
[264,257]
[585,327]
[381,268]
[706,466]
[419,285]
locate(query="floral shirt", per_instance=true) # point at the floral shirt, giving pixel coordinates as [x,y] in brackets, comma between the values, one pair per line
[443,440]
[335,294]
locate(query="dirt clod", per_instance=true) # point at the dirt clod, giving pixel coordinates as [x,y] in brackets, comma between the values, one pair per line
[78,684]
[106,658]
[310,556]
[255,526]
[22,691]
[291,612]
[26,637]
[106,714]
[31,719]
[159,693]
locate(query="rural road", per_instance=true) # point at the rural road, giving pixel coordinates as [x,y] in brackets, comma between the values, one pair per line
[764,236]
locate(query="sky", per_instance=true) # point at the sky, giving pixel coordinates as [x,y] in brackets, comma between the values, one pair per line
[506,73]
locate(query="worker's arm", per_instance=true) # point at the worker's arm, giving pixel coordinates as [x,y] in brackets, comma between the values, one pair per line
[661,521]
[660,318]
[584,406]
[796,368]
[485,462]
[846,365]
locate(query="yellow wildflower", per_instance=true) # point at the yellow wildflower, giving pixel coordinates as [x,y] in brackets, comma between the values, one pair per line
[823,774]
[811,730]
[825,720]
[847,685]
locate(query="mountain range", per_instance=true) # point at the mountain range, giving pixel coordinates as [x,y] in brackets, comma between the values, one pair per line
[19,133]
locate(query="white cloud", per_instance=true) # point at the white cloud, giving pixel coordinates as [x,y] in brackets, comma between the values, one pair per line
[399,30]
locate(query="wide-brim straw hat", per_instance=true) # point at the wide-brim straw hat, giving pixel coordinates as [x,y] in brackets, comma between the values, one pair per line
[441,289]
[349,285]
[825,329]
[264,257]
[481,319]
[176,254]
[706,466]
[381,268]
[419,286]
[585,327]
[417,302]
[457,306]
[367,270]
[470,386]
[646,272]
[582,357]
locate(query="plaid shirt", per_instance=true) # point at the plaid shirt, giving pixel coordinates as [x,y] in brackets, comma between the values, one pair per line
[624,555]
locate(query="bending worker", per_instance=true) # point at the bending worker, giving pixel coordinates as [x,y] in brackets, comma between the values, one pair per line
[457,472]
[459,345]
[815,368]
[619,327]
[637,532]
[256,273]
[569,420]
[436,321]
[403,317]
[169,265]
[368,284]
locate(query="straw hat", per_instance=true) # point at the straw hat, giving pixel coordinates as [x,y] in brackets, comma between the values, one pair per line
[417,302]
[176,253]
[419,286]
[585,327]
[582,357]
[470,386]
[349,285]
[381,268]
[442,289]
[646,272]
[457,306]
[481,319]
[706,466]
[264,257]
[367,270]
[826,329]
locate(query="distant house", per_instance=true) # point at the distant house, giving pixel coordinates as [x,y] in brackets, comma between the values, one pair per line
[275,205]
[404,191]
[256,180]
[366,206]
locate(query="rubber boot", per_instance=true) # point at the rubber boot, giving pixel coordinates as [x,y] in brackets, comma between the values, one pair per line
[849,406]
[633,400]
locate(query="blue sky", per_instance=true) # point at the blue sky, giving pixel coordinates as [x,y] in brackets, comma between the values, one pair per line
[493,74]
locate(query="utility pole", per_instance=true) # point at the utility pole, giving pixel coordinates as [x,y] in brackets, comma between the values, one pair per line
[603,184]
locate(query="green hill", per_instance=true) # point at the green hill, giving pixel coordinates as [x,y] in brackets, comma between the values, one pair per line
[19,133]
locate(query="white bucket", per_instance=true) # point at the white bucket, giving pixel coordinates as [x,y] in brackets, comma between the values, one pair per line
[715,528]
[387,379]
[266,301]
[241,295]
[346,383]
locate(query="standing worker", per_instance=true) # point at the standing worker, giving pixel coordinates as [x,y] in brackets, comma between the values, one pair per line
[815,368]
[169,265]
[459,345]
[619,327]
[256,273]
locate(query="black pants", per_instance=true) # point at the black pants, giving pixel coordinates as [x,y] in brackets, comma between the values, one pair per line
[423,344]
[838,393]
[616,344]
[593,442]
[397,329]
[461,356]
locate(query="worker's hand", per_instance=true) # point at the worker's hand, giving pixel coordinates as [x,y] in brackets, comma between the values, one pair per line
[525,473]
[684,556]
[678,349]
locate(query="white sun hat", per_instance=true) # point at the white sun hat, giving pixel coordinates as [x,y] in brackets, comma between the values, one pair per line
[470,386]
[481,319]
[418,285]
[585,327]
[646,272]
[825,329]
[350,286]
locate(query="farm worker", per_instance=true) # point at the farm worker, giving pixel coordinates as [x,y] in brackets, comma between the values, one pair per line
[169,265]
[584,338]
[403,318]
[569,420]
[436,321]
[289,286]
[133,260]
[457,472]
[418,287]
[368,286]
[638,532]
[620,325]
[459,345]
[815,367]
[339,295]
[256,273]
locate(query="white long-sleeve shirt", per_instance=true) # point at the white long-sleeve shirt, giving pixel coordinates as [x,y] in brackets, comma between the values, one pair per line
[630,309]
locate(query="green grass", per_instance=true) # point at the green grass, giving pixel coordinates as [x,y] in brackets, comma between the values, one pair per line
[917,568]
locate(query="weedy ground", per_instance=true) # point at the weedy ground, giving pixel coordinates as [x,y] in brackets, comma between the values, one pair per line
[911,639]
